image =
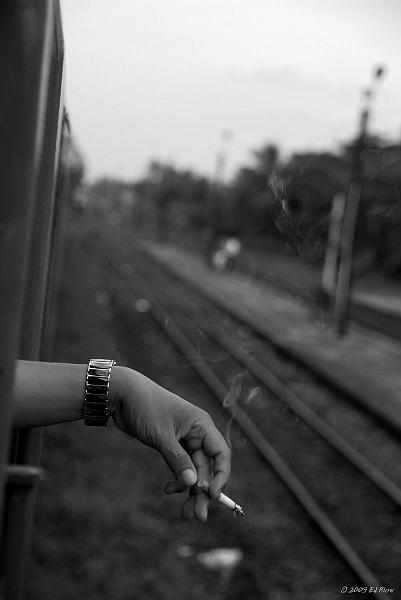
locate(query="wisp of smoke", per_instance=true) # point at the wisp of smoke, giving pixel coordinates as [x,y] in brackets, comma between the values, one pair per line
[234,391]
[254,394]
[284,220]
[231,399]
[237,389]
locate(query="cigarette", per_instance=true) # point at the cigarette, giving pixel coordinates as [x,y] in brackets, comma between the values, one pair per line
[223,499]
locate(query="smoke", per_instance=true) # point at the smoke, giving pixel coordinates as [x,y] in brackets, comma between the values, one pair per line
[234,392]
[255,394]
[384,211]
[284,219]
[242,391]
[231,400]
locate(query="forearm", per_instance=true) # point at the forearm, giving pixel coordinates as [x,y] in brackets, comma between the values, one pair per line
[48,393]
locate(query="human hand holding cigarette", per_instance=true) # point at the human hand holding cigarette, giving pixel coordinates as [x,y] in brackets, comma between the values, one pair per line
[184,434]
[197,503]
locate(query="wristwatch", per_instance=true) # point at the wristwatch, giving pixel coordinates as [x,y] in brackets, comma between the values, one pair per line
[97,384]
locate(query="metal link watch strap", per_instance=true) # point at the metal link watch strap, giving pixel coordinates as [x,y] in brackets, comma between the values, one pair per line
[95,409]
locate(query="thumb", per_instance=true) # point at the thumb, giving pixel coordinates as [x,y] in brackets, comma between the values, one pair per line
[179,462]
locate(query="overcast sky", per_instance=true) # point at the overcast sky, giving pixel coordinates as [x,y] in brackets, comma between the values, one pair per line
[163,78]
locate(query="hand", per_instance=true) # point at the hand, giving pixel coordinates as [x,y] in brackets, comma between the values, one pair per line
[184,434]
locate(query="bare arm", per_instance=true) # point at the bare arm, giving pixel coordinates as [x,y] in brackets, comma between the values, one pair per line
[48,393]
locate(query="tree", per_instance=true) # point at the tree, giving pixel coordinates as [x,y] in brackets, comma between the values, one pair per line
[251,194]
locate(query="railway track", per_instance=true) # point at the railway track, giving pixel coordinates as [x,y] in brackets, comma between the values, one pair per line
[327,475]
[361,313]
[381,321]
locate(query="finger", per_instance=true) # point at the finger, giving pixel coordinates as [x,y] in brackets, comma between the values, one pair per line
[175,487]
[187,510]
[221,475]
[179,461]
[216,447]
[201,499]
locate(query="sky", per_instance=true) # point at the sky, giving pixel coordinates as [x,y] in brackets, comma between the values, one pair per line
[163,79]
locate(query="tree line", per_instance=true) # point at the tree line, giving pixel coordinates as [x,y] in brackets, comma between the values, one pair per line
[288,199]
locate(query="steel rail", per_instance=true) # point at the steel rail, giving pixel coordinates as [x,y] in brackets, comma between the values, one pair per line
[290,398]
[313,366]
[287,476]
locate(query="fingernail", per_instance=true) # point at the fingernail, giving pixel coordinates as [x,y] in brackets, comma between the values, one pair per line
[205,515]
[188,477]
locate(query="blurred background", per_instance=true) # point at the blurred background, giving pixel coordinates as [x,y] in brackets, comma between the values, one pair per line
[252,143]
[171,99]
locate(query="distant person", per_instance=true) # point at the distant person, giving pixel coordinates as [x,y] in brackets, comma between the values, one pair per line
[48,393]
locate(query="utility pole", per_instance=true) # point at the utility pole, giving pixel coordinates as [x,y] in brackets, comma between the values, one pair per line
[218,178]
[330,267]
[342,293]
[213,216]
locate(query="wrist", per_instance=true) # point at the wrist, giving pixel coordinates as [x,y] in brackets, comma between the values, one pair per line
[118,387]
